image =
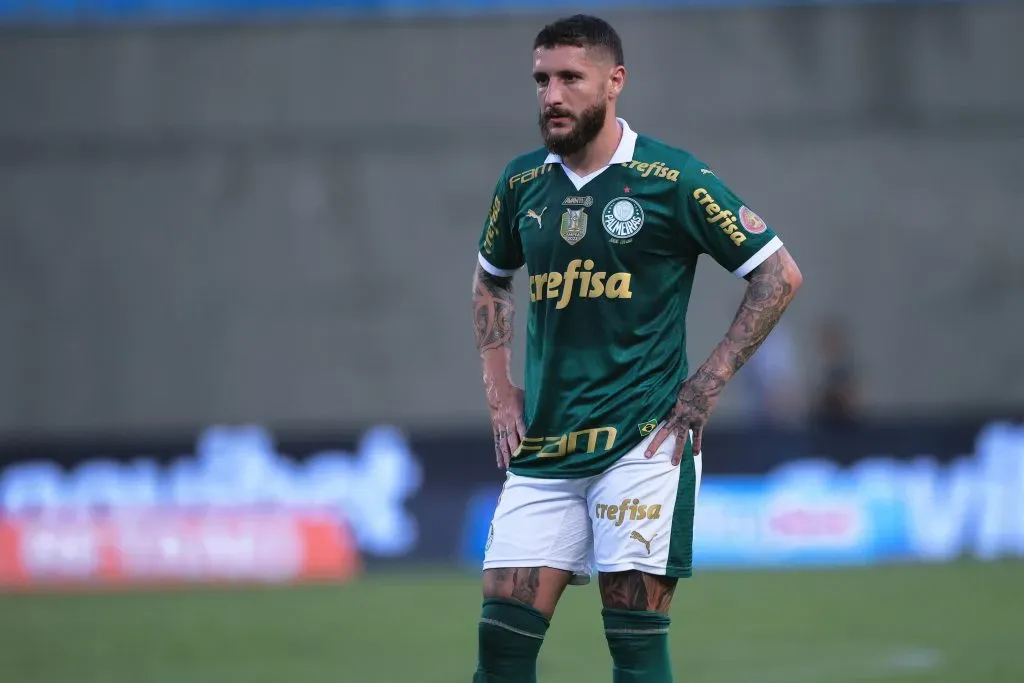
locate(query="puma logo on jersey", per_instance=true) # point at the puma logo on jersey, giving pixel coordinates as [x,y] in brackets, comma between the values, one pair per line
[530,213]
[647,544]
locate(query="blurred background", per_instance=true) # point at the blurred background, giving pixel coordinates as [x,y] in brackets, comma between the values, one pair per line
[242,428]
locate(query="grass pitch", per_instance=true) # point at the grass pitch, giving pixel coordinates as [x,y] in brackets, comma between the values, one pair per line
[941,624]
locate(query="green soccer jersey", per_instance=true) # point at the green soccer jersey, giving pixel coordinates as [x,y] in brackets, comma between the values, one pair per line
[611,260]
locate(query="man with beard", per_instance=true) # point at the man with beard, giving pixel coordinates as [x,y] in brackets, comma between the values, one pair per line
[602,450]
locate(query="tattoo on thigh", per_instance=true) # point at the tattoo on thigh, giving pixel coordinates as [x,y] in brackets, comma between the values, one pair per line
[520,584]
[634,590]
[524,584]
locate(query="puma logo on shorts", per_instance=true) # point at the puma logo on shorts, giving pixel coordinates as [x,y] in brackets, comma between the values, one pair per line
[647,544]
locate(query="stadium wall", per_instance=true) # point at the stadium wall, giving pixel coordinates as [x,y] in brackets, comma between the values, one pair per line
[277,222]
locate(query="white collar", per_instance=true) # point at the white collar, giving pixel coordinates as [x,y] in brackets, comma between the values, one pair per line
[623,153]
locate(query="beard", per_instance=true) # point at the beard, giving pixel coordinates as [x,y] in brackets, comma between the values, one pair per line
[585,128]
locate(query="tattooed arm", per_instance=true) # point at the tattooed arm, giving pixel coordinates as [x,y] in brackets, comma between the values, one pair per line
[770,288]
[493,311]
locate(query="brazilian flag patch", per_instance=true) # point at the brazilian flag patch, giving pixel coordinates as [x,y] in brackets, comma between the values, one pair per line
[647,427]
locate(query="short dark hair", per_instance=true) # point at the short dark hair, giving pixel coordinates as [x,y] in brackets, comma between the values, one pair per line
[582,30]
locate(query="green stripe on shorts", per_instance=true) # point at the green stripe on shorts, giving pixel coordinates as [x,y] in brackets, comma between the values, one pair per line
[680,545]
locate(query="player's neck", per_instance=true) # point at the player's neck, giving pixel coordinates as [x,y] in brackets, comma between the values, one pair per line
[599,152]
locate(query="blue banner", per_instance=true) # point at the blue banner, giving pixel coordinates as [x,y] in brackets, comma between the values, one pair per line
[84,11]
[813,512]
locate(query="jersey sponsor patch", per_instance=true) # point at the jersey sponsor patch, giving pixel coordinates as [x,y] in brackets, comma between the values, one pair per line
[623,217]
[723,219]
[658,169]
[751,222]
[492,226]
[561,286]
[585,202]
[632,510]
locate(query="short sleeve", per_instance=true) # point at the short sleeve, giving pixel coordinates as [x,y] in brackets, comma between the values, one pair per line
[501,252]
[722,224]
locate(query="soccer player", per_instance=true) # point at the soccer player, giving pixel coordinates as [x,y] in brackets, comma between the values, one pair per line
[603,449]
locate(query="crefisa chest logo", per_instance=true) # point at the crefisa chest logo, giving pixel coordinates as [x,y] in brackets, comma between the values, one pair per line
[623,217]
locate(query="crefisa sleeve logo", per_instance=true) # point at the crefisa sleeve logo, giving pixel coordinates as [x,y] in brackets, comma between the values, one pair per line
[622,217]
[751,222]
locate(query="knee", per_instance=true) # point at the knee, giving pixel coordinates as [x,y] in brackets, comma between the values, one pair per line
[636,591]
[536,587]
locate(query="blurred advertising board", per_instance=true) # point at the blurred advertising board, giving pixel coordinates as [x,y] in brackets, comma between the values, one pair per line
[163,547]
[240,504]
[873,509]
[236,508]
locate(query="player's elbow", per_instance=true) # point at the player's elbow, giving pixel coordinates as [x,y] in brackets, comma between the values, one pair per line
[781,271]
[790,271]
[794,277]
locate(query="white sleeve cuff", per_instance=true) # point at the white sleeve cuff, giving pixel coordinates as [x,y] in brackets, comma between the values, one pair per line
[494,270]
[773,245]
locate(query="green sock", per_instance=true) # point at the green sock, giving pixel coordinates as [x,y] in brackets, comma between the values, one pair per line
[639,645]
[510,636]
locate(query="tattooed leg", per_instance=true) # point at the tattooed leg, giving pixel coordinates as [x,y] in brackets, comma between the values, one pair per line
[636,625]
[537,587]
[518,604]
[637,591]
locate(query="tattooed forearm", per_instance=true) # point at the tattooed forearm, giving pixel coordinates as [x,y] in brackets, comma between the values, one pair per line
[634,590]
[700,390]
[493,310]
[771,287]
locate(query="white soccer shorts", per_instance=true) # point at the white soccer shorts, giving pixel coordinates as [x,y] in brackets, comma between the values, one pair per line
[637,514]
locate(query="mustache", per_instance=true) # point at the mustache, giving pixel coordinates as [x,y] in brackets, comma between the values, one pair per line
[553,113]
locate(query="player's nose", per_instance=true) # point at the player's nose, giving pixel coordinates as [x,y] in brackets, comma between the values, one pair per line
[552,95]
